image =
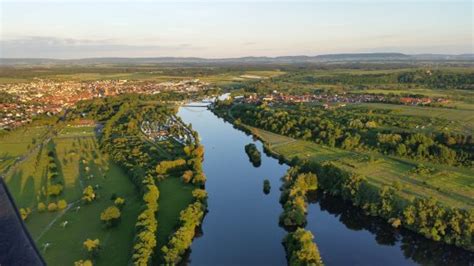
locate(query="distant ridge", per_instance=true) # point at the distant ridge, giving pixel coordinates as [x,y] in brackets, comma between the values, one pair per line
[343,57]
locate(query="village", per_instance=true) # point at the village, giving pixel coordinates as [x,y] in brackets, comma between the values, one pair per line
[52,97]
[339,99]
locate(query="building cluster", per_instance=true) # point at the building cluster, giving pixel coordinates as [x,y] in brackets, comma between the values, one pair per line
[170,128]
[334,98]
[50,97]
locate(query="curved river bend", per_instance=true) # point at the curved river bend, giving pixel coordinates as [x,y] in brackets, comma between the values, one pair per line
[242,228]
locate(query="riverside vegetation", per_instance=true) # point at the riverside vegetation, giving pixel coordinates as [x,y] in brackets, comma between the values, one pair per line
[415,174]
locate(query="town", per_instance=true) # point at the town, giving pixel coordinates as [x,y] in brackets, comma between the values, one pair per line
[52,97]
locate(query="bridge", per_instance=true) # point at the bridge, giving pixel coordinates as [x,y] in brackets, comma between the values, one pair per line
[194,105]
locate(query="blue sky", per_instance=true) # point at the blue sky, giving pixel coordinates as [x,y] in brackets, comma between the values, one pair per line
[66,29]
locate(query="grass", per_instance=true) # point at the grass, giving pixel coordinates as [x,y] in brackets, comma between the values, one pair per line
[75,150]
[18,142]
[174,197]
[464,118]
[453,186]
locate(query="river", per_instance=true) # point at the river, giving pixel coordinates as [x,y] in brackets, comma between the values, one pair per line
[241,227]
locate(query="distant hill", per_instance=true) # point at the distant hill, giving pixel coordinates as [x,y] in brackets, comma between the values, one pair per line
[350,57]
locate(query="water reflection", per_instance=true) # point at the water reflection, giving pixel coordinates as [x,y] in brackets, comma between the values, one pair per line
[241,227]
[414,247]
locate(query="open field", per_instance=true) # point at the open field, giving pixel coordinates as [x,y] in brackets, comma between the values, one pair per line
[137,73]
[456,119]
[450,185]
[175,196]
[18,142]
[80,163]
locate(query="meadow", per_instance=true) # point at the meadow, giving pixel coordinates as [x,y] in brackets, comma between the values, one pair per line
[456,120]
[18,142]
[59,235]
[453,186]
[175,196]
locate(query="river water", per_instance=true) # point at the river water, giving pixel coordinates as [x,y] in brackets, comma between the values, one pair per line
[242,228]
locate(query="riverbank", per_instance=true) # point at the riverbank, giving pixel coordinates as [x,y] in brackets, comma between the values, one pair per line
[419,214]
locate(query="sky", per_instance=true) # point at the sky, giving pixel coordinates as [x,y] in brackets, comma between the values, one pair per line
[218,29]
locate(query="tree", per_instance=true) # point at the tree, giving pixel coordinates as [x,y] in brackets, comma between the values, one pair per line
[24,213]
[52,207]
[110,216]
[62,204]
[266,186]
[200,194]
[92,246]
[301,249]
[41,207]
[83,263]
[119,202]
[88,195]
[187,176]
[54,189]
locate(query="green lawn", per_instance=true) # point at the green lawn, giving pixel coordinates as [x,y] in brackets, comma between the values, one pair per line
[453,186]
[175,196]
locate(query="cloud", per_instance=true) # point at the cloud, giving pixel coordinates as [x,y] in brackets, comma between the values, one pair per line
[52,47]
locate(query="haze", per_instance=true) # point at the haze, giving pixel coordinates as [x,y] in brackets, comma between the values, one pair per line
[50,29]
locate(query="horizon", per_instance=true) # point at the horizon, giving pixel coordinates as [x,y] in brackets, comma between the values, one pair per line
[215,30]
[230,58]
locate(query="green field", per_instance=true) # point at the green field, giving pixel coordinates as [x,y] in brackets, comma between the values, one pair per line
[18,142]
[80,163]
[138,73]
[456,119]
[174,197]
[453,186]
